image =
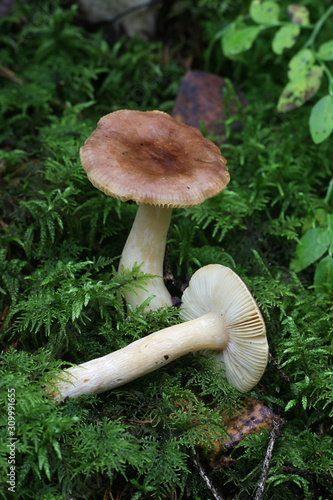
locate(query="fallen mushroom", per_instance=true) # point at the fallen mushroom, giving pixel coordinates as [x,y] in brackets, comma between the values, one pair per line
[220,314]
[148,157]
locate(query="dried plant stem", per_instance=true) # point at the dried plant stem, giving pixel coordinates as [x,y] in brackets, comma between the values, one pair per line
[282,374]
[206,479]
[273,435]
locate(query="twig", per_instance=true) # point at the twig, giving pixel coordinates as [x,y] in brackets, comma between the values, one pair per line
[206,479]
[9,74]
[275,432]
[285,377]
[142,422]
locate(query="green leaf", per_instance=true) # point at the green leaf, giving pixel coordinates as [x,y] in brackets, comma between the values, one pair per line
[313,244]
[290,404]
[264,13]
[57,449]
[43,462]
[325,51]
[238,40]
[321,119]
[323,278]
[300,89]
[301,63]
[285,38]
[299,14]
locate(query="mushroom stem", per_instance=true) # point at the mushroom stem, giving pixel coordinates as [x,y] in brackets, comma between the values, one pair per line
[143,356]
[145,245]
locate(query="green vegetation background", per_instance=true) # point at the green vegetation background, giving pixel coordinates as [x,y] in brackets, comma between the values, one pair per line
[60,244]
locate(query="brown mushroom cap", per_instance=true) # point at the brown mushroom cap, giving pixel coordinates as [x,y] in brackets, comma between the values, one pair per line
[148,157]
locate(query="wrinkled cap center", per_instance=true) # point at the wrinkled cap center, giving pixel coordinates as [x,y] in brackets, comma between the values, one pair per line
[162,157]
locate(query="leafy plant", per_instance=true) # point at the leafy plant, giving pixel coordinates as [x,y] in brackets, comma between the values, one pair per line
[317,244]
[307,66]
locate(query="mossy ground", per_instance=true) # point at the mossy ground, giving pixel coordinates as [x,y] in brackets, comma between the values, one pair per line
[60,245]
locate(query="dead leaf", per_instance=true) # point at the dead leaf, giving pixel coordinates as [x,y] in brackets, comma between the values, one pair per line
[5,6]
[200,98]
[253,418]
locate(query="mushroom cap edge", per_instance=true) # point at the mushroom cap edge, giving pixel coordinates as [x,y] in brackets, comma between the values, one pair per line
[167,163]
[219,289]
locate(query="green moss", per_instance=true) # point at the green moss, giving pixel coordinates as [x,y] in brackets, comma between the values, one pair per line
[60,288]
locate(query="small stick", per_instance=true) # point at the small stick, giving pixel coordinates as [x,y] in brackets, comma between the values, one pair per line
[142,422]
[206,479]
[273,435]
[285,377]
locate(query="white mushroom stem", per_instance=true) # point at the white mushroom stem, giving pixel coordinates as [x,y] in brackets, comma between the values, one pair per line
[143,356]
[145,245]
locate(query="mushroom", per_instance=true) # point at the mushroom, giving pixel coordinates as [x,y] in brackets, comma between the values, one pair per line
[149,158]
[219,314]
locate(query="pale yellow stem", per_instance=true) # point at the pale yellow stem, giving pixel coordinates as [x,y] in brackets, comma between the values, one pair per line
[144,356]
[146,245]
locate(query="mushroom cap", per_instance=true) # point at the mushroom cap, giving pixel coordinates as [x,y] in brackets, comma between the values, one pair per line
[219,289]
[150,158]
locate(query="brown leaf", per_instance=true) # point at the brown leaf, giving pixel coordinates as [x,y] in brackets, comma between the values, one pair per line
[254,417]
[5,6]
[200,98]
